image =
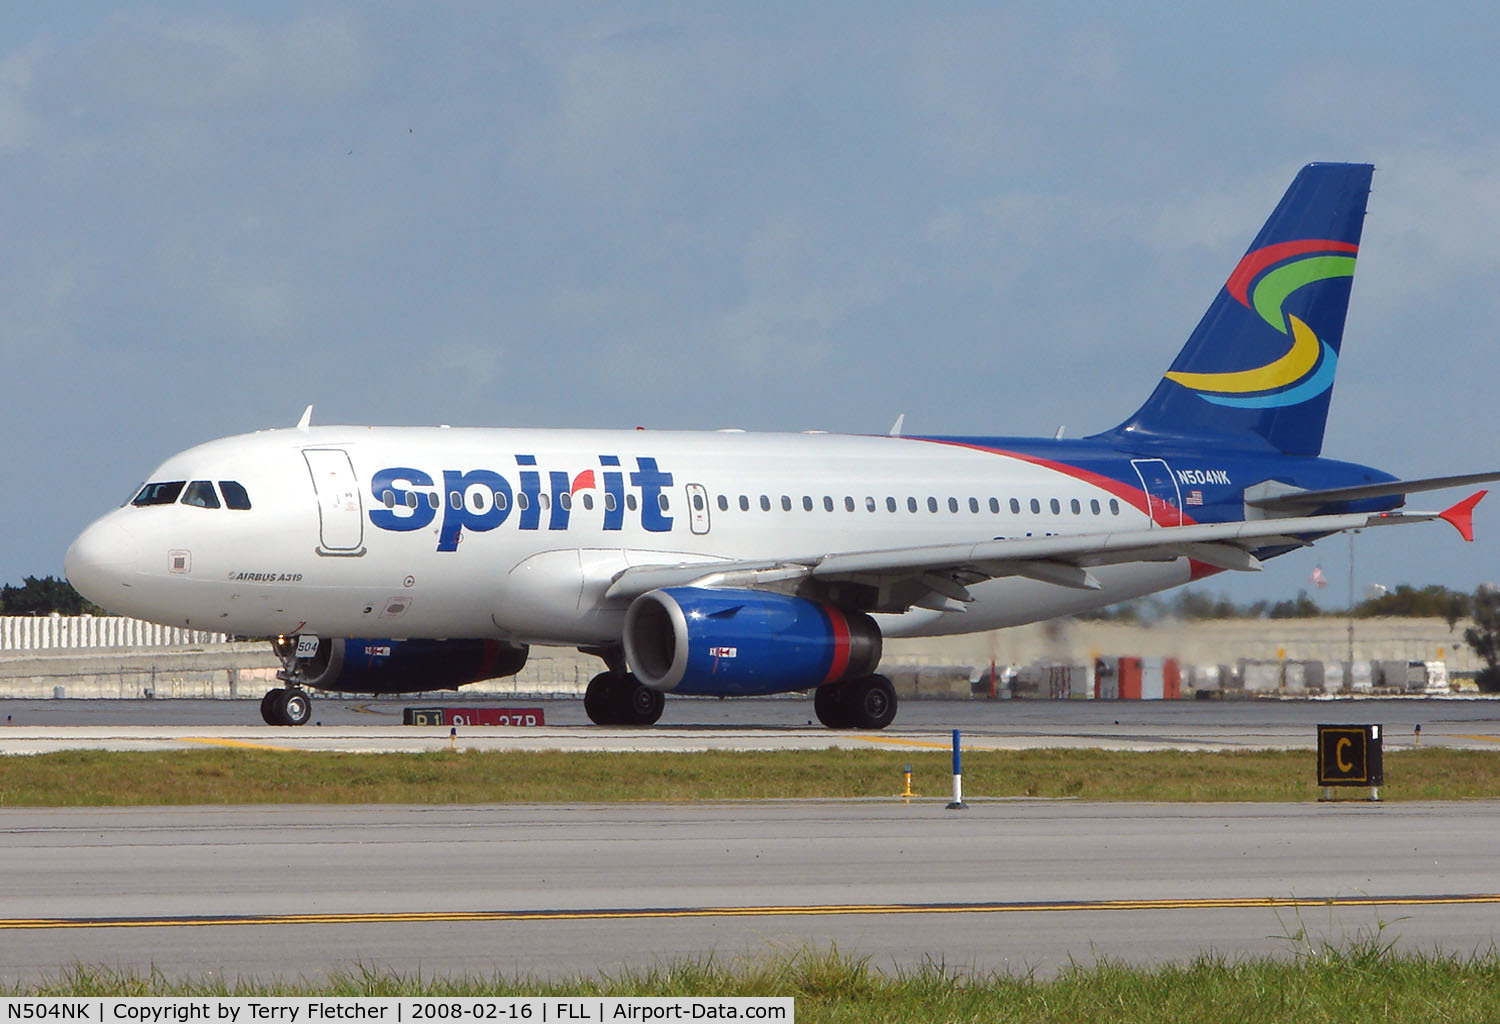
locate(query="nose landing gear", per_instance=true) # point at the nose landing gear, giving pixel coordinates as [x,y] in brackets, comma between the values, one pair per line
[287,706]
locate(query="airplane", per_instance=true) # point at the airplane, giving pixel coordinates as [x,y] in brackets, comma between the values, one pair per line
[404,559]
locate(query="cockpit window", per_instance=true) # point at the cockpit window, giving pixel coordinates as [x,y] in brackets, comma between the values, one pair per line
[235,495]
[160,493]
[202,494]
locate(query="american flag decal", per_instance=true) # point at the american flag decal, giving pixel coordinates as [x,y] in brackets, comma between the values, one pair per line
[1194,497]
[723,652]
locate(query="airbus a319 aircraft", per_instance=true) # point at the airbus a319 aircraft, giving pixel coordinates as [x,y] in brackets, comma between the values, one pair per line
[399,559]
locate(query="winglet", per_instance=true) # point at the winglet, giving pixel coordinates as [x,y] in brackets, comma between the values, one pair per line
[1462,515]
[895,430]
[306,419]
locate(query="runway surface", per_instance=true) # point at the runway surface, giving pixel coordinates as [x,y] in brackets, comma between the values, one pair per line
[296,892]
[366,724]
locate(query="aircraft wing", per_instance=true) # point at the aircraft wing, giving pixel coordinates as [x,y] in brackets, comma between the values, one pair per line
[938,576]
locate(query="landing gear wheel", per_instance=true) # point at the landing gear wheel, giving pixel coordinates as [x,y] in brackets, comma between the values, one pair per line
[830,706]
[296,707]
[286,706]
[870,702]
[268,707]
[637,704]
[600,702]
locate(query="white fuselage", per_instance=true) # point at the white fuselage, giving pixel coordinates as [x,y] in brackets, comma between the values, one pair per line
[415,532]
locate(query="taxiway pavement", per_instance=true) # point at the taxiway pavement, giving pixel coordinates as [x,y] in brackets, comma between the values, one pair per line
[750,724]
[558,891]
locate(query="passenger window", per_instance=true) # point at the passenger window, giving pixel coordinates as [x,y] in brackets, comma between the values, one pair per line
[478,501]
[744,503]
[973,504]
[235,495]
[201,493]
[588,501]
[1036,507]
[765,503]
[662,502]
[565,501]
[697,503]
[160,493]
[1015,507]
[1094,505]
[827,503]
[1114,507]
[630,502]
[522,502]
[433,501]
[931,504]
[388,498]
[543,502]
[870,503]
[806,503]
[500,501]
[1056,508]
[890,504]
[848,503]
[911,504]
[411,499]
[609,503]
[786,503]
[723,503]
[995,506]
[1076,507]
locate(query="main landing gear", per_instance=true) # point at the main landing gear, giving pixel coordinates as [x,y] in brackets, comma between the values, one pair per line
[868,703]
[288,706]
[617,698]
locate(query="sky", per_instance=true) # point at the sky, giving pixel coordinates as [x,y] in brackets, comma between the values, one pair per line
[991,218]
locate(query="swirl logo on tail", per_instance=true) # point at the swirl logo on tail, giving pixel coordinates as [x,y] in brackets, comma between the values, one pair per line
[1306,369]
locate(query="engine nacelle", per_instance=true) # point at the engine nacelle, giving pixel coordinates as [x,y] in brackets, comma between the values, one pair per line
[407,666]
[744,642]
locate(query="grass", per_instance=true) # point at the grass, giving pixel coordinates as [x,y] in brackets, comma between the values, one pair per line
[1363,979]
[214,776]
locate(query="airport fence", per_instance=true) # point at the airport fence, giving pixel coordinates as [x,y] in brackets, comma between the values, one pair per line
[80,632]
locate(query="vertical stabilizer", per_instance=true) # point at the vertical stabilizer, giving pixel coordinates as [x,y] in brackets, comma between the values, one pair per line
[1259,368]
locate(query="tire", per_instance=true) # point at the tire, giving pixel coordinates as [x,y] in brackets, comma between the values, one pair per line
[296,707]
[270,707]
[599,699]
[638,704]
[830,706]
[871,702]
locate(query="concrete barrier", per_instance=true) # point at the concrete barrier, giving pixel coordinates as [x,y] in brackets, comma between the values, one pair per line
[52,632]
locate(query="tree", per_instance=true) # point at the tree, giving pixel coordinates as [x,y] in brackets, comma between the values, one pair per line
[43,597]
[1302,608]
[1484,637]
[1407,601]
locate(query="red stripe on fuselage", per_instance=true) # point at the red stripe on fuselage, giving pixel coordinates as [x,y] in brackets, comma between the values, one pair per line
[1132,495]
[839,627]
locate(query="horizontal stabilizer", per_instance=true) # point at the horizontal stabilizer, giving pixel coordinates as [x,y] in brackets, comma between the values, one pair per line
[1302,501]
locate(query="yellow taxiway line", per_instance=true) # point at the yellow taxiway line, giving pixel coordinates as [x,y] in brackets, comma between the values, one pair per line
[814,910]
[242,744]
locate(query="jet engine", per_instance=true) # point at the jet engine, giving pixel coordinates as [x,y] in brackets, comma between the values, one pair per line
[740,642]
[406,666]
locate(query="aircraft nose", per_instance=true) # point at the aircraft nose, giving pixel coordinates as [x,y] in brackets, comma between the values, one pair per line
[101,562]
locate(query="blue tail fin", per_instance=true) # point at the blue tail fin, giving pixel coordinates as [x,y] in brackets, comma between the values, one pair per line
[1258,370]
